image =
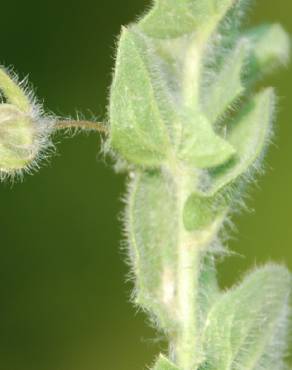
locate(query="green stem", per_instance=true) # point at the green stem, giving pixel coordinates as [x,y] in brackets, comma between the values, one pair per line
[190,254]
[187,284]
[85,125]
[185,341]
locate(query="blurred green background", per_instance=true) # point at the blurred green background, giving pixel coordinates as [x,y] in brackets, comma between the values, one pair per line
[64,299]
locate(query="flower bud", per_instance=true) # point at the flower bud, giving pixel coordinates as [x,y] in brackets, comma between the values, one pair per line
[23,132]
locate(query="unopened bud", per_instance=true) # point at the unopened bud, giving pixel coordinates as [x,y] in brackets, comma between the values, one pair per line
[23,133]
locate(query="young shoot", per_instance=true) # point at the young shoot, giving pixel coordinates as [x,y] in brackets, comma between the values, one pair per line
[189,125]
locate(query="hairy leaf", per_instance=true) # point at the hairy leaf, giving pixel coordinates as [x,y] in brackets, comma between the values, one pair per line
[172,18]
[152,228]
[248,134]
[200,146]
[245,327]
[138,112]
[201,211]
[270,48]
[164,364]
[145,121]
[209,290]
[227,86]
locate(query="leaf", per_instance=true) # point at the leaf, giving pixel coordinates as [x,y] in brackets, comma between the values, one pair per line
[172,18]
[164,364]
[201,211]
[209,290]
[146,123]
[245,327]
[139,112]
[228,86]
[258,52]
[200,146]
[249,135]
[270,48]
[152,229]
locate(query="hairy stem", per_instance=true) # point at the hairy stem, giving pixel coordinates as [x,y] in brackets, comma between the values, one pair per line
[187,285]
[186,280]
[191,248]
[180,72]
[85,125]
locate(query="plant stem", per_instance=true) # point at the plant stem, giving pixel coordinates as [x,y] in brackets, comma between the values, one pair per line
[186,280]
[187,284]
[87,125]
[190,253]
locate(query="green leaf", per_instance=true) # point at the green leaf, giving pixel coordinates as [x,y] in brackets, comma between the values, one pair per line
[201,211]
[209,290]
[140,114]
[147,126]
[164,364]
[270,48]
[200,146]
[246,327]
[152,229]
[172,18]
[227,87]
[249,135]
